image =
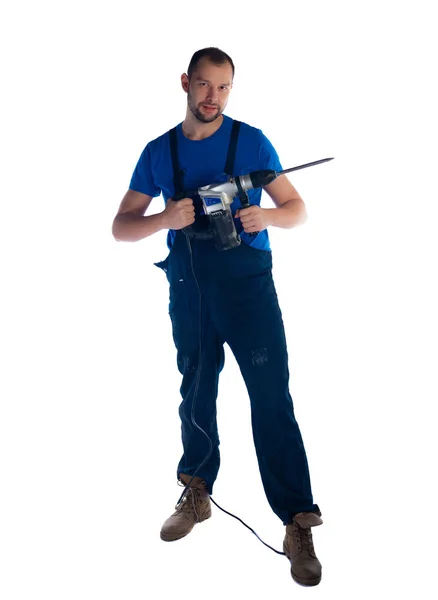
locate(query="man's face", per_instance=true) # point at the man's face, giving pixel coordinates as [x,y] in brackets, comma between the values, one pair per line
[210,86]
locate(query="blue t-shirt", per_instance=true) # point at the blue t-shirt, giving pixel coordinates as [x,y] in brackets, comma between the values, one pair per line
[203,163]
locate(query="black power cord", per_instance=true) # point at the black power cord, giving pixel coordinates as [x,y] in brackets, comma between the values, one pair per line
[200,428]
[231,515]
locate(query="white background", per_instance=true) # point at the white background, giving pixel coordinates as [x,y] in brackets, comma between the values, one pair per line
[90,434]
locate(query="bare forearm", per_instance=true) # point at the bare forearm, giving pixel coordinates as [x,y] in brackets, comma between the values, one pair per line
[288,215]
[129,227]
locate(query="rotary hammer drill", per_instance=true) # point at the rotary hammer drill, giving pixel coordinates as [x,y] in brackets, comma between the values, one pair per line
[216,199]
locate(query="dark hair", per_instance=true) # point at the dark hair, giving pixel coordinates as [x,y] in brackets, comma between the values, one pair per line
[214,55]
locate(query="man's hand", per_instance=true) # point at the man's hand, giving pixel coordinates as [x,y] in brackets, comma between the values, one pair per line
[180,214]
[254,218]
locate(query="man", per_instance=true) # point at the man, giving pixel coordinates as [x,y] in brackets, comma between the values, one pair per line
[225,296]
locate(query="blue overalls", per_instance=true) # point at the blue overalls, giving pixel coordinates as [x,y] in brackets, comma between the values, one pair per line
[229,296]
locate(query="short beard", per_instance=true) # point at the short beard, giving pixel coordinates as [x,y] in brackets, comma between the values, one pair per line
[199,115]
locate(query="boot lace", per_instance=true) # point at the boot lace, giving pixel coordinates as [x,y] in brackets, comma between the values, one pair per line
[305,537]
[190,502]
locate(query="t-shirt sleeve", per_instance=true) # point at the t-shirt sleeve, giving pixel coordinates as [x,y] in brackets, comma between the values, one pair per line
[268,156]
[142,179]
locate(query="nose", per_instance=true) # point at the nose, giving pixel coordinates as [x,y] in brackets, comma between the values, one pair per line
[212,97]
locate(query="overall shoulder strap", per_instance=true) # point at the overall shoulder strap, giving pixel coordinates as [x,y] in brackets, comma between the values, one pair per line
[229,165]
[178,180]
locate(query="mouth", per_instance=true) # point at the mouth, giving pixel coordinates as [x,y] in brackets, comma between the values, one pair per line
[209,108]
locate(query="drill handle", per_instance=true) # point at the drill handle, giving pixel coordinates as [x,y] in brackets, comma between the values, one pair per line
[184,194]
[244,200]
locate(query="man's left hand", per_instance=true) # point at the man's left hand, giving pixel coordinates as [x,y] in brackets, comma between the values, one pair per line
[254,218]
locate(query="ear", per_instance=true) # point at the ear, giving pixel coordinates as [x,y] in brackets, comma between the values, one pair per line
[185,82]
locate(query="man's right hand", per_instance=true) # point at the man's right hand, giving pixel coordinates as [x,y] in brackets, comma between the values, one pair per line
[180,214]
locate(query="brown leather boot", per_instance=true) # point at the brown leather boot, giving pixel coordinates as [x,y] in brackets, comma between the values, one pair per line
[194,508]
[298,547]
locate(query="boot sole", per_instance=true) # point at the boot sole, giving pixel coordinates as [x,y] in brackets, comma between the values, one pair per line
[173,537]
[303,581]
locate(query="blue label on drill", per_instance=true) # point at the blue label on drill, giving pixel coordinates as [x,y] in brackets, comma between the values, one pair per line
[212,201]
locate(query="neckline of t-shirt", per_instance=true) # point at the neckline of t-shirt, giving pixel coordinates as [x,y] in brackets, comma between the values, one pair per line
[210,137]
